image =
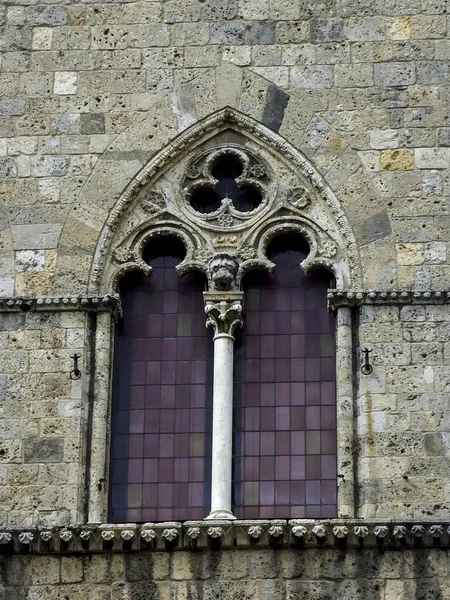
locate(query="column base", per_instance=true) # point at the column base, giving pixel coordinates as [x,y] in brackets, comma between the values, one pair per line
[220,515]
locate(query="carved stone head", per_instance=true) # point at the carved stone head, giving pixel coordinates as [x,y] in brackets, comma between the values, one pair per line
[222,271]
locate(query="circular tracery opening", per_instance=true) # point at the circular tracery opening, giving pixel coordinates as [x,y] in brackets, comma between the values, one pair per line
[168,246]
[229,170]
[227,166]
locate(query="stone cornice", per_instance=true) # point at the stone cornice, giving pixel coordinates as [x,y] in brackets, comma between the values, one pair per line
[191,535]
[105,303]
[351,298]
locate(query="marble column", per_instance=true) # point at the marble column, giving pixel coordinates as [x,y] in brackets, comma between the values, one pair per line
[224,311]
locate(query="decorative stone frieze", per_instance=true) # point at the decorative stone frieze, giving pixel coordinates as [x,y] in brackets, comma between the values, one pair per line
[162,536]
[276,531]
[255,531]
[104,303]
[354,298]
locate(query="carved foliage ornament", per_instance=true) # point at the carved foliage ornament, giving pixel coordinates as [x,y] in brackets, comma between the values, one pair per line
[224,316]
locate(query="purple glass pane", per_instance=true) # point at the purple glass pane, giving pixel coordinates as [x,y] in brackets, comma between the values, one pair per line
[285,441]
[160,433]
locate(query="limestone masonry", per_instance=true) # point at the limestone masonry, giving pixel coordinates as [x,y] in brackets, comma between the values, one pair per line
[110,113]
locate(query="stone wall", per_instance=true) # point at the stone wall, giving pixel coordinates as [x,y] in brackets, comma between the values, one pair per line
[90,94]
[43,418]
[230,575]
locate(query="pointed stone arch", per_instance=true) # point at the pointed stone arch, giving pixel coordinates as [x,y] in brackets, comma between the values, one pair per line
[347,270]
[158,138]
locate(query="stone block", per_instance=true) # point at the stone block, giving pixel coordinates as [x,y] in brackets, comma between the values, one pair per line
[49,166]
[92,123]
[359,75]
[312,76]
[229,33]
[399,28]
[65,124]
[39,236]
[65,82]
[261,33]
[47,15]
[365,29]
[383,139]
[220,10]
[49,450]
[8,168]
[374,228]
[292,32]
[431,158]
[15,38]
[71,569]
[394,74]
[12,108]
[397,160]
[42,38]
[327,30]
[432,72]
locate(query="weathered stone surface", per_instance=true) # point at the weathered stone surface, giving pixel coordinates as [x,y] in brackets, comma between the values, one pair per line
[89,94]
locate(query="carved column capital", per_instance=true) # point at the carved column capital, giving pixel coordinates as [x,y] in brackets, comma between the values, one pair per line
[224,311]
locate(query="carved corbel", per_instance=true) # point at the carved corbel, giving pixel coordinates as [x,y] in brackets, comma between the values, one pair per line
[222,272]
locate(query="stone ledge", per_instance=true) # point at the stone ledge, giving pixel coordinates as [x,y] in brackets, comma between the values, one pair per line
[351,298]
[105,303]
[192,535]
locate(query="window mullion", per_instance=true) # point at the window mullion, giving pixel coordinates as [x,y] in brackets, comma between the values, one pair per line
[224,311]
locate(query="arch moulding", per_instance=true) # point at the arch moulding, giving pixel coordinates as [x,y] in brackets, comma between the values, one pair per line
[295,197]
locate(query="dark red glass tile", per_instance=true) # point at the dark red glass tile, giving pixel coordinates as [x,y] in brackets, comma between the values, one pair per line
[298,468]
[151,421]
[135,470]
[166,445]
[166,470]
[282,468]
[168,369]
[328,467]
[282,442]
[298,442]
[151,471]
[137,373]
[169,349]
[313,492]
[328,492]
[136,421]
[136,444]
[151,445]
[327,369]
[267,493]
[282,492]
[137,396]
[153,373]
[313,467]
[282,394]
[312,414]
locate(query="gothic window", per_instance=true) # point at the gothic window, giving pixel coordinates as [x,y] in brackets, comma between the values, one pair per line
[240,424]
[285,410]
[160,451]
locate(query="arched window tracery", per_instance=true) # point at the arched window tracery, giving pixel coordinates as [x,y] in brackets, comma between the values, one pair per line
[285,399]
[202,202]
[160,451]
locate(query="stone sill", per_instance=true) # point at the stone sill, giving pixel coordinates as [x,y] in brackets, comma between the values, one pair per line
[351,298]
[105,303]
[193,535]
